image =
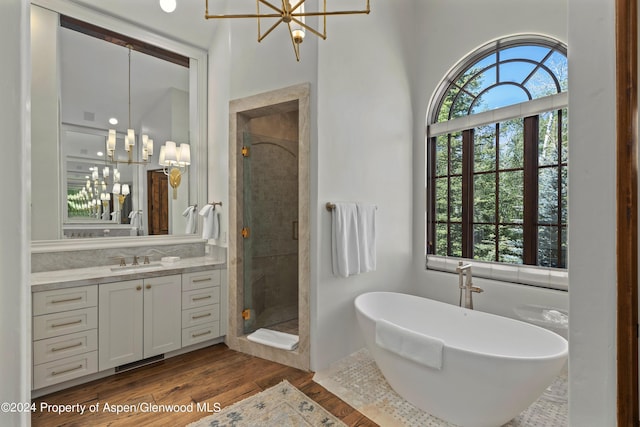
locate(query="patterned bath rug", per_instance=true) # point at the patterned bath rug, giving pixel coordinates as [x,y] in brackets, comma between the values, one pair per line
[282,405]
[357,380]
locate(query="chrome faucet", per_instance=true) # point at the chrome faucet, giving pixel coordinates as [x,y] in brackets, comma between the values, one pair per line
[466,285]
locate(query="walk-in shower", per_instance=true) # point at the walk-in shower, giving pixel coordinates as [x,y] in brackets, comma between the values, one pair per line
[270,217]
[269,232]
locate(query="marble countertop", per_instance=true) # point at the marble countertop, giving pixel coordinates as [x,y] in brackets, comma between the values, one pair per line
[47,280]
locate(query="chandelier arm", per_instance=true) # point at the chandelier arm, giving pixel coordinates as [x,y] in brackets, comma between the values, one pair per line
[245,15]
[268,4]
[261,37]
[334,13]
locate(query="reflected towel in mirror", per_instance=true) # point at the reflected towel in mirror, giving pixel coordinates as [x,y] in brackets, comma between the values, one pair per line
[190,214]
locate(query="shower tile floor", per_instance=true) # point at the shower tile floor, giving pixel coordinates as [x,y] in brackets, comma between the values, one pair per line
[279,318]
[358,381]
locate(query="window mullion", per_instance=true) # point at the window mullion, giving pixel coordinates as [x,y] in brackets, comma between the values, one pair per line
[431,195]
[530,217]
[467,193]
[559,257]
[496,228]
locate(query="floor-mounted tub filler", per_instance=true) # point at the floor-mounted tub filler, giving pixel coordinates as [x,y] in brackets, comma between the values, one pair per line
[467,367]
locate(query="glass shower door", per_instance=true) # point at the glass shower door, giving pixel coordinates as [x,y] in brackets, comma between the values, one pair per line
[270,234]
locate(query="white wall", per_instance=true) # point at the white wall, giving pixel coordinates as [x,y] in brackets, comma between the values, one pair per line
[592,251]
[45,103]
[218,125]
[361,144]
[15,295]
[364,154]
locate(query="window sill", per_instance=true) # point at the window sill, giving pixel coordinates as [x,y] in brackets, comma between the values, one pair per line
[552,278]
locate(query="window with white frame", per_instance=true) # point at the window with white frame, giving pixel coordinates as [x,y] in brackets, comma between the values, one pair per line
[497,156]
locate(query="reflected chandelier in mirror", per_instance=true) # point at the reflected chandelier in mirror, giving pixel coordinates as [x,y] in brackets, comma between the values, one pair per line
[117,95]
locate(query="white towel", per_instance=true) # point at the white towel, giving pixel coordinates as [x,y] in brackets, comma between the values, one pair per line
[275,339]
[190,214]
[135,219]
[344,240]
[367,237]
[411,345]
[211,226]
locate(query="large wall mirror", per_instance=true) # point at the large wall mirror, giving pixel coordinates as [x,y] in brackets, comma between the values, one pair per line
[94,78]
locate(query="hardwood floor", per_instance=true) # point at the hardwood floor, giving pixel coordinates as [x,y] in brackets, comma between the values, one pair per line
[215,374]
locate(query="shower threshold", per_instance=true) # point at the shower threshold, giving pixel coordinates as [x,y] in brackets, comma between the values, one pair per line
[272,338]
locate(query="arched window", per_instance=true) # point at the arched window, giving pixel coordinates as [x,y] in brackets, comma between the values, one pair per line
[497,156]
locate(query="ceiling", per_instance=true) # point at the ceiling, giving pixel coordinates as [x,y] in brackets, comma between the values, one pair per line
[185,24]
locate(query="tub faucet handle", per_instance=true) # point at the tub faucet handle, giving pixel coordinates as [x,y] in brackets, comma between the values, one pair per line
[476,289]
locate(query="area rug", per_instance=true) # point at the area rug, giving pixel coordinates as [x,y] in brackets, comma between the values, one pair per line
[358,381]
[282,405]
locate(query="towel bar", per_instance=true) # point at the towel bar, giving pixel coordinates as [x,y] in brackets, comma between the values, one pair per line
[331,206]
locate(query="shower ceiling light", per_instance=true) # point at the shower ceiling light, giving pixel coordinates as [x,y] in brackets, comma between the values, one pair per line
[291,14]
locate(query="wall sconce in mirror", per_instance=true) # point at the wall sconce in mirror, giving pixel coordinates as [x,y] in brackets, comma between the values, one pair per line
[174,161]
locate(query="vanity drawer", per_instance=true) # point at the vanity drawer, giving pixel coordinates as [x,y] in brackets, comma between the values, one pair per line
[58,300]
[68,322]
[200,279]
[200,333]
[57,348]
[200,315]
[65,369]
[200,297]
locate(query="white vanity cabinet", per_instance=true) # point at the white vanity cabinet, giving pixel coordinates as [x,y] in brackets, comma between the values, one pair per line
[65,334]
[200,306]
[83,331]
[138,319]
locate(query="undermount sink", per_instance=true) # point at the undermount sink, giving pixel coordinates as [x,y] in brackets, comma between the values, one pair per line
[139,267]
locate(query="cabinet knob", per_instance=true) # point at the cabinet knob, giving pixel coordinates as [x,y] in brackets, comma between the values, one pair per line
[148,286]
[138,287]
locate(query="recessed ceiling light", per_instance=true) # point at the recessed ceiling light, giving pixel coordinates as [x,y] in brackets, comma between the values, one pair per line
[168,5]
[100,153]
[113,121]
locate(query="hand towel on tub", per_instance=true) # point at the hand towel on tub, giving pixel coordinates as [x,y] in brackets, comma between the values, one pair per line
[367,237]
[211,226]
[409,344]
[190,214]
[344,240]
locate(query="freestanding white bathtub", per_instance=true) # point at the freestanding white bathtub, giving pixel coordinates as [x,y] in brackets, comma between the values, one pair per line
[478,369]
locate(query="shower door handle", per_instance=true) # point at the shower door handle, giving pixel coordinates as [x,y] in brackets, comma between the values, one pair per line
[245,232]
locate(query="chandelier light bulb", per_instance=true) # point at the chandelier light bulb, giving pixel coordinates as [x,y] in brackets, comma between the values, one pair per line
[168,5]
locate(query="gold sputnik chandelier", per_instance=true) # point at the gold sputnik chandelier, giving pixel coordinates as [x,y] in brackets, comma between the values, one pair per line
[293,15]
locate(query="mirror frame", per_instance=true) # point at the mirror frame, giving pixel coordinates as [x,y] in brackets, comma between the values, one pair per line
[198,121]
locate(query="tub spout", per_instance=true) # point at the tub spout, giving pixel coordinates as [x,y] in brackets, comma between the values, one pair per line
[466,286]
